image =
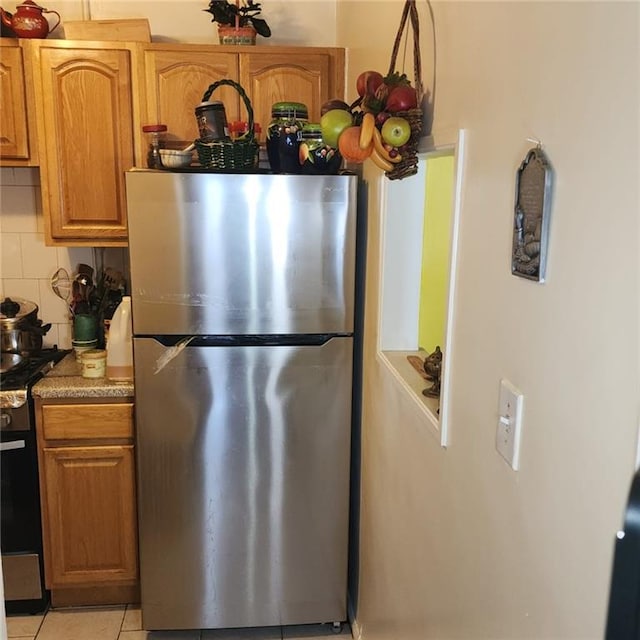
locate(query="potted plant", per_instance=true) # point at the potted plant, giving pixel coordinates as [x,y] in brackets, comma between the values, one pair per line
[238,22]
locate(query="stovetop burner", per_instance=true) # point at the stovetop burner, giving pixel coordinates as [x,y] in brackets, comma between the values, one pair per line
[31,369]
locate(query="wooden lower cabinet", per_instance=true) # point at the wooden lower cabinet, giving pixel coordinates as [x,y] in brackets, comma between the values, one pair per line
[91,510]
[88,498]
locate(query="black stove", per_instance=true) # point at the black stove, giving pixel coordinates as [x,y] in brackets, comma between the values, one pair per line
[21,533]
[31,369]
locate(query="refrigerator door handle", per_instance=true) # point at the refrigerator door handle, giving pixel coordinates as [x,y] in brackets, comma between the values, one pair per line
[180,342]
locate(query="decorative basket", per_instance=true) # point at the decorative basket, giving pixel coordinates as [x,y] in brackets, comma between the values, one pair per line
[225,155]
[408,166]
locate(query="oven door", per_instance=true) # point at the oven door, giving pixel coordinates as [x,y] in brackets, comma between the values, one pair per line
[21,531]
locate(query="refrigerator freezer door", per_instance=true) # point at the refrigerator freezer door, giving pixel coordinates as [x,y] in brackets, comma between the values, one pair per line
[220,254]
[243,484]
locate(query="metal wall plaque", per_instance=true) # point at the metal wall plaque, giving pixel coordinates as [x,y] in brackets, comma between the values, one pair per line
[534,181]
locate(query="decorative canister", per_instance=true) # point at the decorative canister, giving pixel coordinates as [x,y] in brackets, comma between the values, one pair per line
[284,134]
[315,157]
[212,122]
[94,363]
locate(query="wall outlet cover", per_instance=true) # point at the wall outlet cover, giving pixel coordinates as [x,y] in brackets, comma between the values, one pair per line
[509,423]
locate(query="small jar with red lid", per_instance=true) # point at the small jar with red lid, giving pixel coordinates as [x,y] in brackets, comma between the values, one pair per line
[156,139]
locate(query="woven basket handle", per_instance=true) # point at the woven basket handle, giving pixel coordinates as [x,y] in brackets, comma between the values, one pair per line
[411,11]
[250,135]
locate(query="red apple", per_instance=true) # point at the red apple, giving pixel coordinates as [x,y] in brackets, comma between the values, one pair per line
[368,82]
[401,98]
[335,103]
[382,117]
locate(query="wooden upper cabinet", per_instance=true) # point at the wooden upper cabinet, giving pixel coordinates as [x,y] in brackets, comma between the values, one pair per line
[310,76]
[15,125]
[176,78]
[87,102]
[85,106]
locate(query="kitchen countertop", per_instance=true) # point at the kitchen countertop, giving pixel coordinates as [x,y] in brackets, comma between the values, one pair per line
[65,381]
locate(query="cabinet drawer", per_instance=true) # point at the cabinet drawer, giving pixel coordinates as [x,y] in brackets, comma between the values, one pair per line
[87,422]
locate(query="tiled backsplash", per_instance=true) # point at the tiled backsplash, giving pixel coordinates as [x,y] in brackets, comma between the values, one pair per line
[26,264]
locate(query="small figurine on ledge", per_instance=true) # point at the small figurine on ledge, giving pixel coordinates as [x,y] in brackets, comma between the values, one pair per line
[433,369]
[430,369]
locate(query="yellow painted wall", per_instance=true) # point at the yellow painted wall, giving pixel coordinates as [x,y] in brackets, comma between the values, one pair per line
[435,252]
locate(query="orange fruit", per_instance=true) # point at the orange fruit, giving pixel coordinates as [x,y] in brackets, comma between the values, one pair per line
[349,145]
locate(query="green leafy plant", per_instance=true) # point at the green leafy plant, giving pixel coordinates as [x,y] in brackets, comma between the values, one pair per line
[243,13]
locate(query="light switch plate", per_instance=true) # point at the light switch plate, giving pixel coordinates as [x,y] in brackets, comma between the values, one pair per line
[509,423]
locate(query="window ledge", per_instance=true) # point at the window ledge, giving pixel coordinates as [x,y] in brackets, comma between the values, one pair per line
[412,383]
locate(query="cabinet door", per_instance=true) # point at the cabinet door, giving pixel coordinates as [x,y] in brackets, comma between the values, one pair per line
[84,101]
[275,77]
[14,141]
[176,80]
[89,516]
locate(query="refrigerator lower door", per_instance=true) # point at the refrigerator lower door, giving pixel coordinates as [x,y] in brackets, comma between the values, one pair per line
[243,483]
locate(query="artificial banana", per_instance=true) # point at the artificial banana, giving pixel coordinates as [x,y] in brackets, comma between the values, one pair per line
[366,130]
[380,161]
[380,148]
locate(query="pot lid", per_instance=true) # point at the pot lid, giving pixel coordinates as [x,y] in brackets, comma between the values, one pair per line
[13,310]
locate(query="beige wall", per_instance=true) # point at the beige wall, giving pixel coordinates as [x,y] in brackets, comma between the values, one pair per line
[454,543]
[296,23]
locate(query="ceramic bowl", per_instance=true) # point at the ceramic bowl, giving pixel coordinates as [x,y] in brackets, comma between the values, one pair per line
[175,159]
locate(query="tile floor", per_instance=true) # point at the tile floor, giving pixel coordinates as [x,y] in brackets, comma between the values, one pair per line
[124,623]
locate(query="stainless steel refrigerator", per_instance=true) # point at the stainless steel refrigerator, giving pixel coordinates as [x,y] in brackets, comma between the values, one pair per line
[243,320]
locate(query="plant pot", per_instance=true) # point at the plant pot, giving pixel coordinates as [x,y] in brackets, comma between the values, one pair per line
[237,35]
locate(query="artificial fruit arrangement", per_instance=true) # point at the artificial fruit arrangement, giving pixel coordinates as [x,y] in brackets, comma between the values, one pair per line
[374,125]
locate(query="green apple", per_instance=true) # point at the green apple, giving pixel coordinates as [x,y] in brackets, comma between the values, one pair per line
[396,131]
[332,124]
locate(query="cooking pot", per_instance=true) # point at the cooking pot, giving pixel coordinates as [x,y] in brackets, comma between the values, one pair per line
[20,328]
[11,361]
